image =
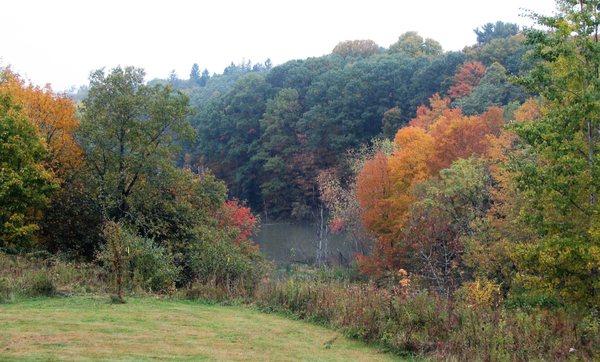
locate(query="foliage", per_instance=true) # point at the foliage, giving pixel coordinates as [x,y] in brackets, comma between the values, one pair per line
[128,131]
[387,185]
[72,222]
[499,30]
[41,286]
[561,179]
[279,153]
[136,262]
[25,184]
[6,293]
[411,43]
[417,323]
[443,215]
[239,218]
[116,255]
[217,259]
[30,274]
[229,135]
[54,118]
[356,48]
[466,78]
[494,89]
[271,134]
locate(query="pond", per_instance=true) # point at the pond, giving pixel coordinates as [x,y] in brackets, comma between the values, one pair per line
[286,243]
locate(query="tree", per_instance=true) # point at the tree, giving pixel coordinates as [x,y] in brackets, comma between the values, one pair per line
[387,187]
[195,74]
[466,78]
[384,192]
[491,31]
[128,132]
[279,147]
[464,136]
[54,117]
[445,213]
[356,48]
[240,218]
[340,105]
[229,135]
[392,121]
[412,44]
[494,89]
[204,78]
[116,252]
[25,184]
[561,180]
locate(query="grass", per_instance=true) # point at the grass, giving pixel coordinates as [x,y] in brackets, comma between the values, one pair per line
[86,327]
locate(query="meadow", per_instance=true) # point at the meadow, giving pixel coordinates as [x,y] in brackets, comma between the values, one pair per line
[149,328]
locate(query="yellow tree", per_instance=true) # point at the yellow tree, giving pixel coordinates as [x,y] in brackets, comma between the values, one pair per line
[53,115]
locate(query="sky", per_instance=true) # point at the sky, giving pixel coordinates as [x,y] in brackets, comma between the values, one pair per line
[61,41]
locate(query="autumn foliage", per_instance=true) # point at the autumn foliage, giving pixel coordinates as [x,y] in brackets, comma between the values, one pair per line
[239,217]
[466,78]
[435,138]
[54,116]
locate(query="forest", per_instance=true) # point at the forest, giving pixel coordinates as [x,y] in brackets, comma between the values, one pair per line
[465,184]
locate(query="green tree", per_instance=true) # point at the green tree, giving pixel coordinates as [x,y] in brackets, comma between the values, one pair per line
[496,30]
[195,74]
[25,185]
[229,135]
[129,131]
[392,121]
[279,148]
[561,180]
[204,78]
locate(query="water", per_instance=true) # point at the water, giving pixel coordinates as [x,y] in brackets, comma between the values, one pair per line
[286,243]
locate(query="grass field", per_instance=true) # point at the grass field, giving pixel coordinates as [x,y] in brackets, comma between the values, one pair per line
[148,328]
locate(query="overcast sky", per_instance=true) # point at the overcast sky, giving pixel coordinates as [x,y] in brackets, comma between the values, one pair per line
[60,42]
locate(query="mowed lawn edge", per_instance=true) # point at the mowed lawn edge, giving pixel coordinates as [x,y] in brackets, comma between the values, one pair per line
[90,327]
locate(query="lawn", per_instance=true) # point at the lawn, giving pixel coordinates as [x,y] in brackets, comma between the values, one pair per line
[149,328]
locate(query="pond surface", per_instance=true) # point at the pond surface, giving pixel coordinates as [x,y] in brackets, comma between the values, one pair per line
[286,243]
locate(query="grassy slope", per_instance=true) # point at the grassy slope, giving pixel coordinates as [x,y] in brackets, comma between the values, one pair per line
[144,328]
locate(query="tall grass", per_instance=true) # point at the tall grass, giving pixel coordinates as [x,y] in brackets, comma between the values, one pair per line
[30,276]
[419,323]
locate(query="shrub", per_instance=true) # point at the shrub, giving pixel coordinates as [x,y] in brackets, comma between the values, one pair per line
[480,293]
[207,292]
[216,258]
[135,261]
[6,292]
[472,327]
[152,266]
[40,285]
[115,254]
[19,272]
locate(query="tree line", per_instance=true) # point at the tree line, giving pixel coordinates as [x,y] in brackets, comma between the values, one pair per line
[268,131]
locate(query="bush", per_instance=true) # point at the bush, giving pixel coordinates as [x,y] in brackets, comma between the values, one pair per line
[6,293]
[40,285]
[152,266]
[234,266]
[19,272]
[207,292]
[135,261]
